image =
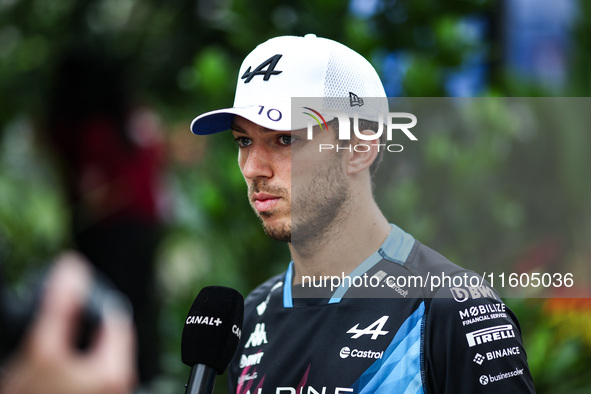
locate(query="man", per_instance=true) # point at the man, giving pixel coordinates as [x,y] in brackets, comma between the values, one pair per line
[378,337]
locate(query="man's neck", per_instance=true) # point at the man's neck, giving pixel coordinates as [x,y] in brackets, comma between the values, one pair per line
[345,245]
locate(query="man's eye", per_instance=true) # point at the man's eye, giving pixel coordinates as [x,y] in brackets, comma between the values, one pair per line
[286,139]
[243,142]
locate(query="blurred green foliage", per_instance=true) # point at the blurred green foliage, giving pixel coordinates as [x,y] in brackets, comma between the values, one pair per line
[494,197]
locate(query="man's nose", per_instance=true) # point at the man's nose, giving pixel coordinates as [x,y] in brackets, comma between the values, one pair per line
[258,163]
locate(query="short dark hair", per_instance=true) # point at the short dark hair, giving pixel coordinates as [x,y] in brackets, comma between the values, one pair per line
[363,125]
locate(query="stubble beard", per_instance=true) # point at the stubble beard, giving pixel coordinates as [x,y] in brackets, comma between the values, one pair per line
[318,207]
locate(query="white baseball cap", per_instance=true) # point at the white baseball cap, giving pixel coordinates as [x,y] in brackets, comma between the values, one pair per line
[287,67]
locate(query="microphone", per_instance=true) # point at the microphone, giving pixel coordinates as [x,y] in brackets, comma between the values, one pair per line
[211,335]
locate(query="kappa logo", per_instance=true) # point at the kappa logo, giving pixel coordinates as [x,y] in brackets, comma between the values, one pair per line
[266,68]
[257,337]
[375,329]
[355,100]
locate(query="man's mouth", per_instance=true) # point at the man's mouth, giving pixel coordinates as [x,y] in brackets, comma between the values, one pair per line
[264,202]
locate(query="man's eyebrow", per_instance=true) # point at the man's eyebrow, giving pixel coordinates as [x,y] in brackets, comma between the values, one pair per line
[235,127]
[239,129]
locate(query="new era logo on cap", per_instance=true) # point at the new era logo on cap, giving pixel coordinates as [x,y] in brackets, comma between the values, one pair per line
[355,100]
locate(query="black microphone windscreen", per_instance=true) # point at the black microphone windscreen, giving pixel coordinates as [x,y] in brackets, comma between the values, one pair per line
[213,328]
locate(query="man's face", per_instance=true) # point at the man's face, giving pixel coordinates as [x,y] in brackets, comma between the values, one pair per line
[271,162]
[264,157]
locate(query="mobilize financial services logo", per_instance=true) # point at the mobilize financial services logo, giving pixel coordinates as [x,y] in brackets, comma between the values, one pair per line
[387,123]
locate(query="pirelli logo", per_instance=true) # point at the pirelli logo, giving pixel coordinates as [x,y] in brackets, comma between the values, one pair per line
[490,334]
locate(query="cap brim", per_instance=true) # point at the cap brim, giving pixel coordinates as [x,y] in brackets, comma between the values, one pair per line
[276,118]
[214,121]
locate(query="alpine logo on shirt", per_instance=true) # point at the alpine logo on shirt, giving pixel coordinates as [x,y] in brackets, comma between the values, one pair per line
[375,329]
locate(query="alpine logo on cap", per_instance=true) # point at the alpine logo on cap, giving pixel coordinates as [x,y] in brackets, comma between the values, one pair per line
[269,64]
[354,100]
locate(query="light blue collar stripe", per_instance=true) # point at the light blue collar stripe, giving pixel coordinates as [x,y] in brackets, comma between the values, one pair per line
[287,299]
[395,248]
[357,272]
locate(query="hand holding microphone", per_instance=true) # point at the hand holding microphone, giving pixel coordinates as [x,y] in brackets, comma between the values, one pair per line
[49,358]
[211,335]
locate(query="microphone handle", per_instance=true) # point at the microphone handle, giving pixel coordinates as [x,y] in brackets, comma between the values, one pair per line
[201,380]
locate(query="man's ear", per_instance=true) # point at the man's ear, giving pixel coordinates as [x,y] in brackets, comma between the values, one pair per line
[363,153]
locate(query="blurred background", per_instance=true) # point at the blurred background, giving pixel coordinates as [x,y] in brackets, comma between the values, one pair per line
[96,98]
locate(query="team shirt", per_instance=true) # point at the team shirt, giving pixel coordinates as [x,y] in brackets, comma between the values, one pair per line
[400,331]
